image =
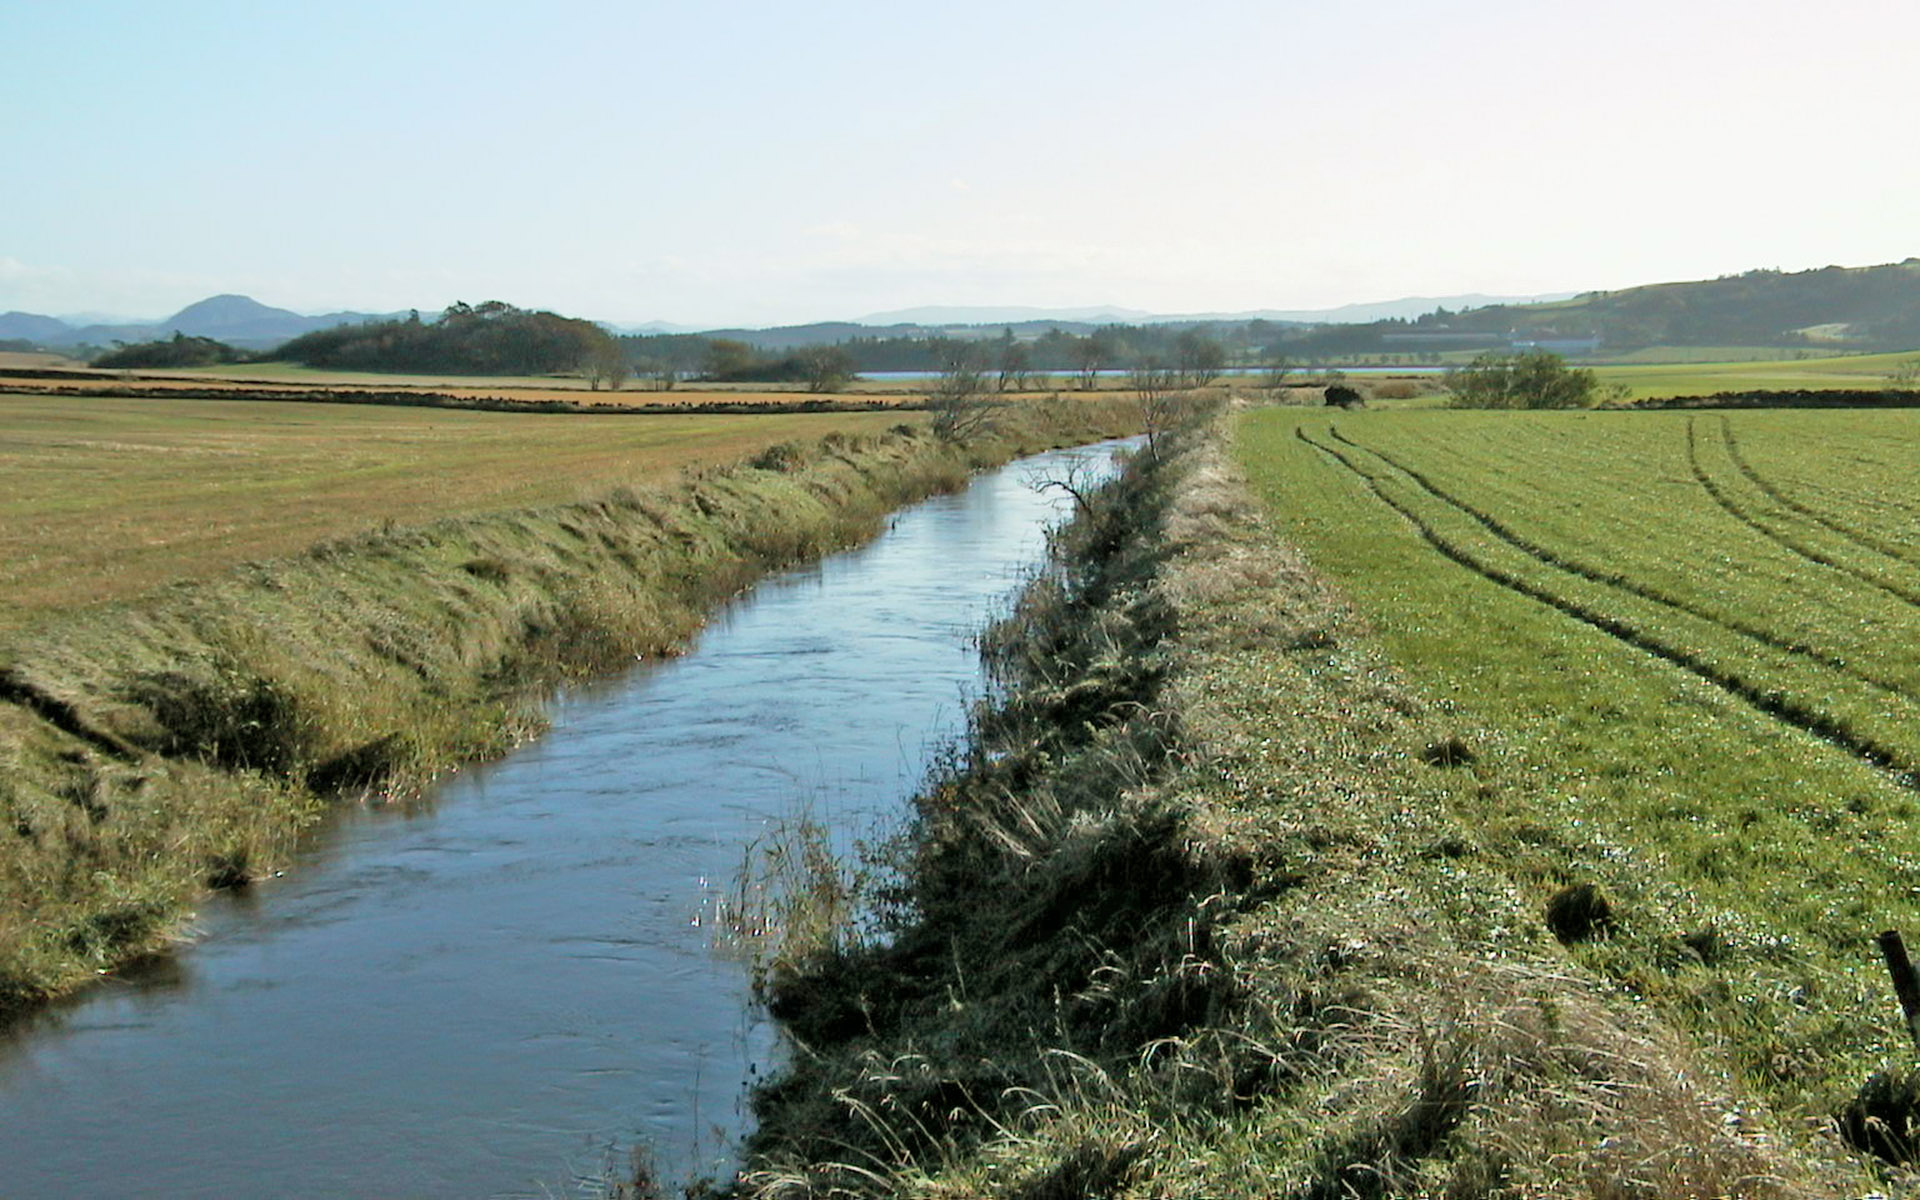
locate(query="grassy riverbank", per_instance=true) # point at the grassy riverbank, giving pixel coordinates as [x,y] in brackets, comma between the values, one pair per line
[109,498]
[179,741]
[1220,901]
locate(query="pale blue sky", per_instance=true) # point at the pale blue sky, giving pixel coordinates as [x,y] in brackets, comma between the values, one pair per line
[776,162]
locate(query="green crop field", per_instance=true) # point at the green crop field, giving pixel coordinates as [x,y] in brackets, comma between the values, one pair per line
[1868,371]
[1686,651]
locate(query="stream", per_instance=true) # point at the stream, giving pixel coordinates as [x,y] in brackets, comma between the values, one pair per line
[504,989]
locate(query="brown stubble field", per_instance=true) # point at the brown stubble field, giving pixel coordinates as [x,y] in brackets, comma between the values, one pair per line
[105,498]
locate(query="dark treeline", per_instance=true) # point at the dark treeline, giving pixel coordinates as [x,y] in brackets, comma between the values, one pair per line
[1857,308]
[176,351]
[1190,348]
[494,338]
[1834,308]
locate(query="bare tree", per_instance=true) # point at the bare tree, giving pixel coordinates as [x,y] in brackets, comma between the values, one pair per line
[1090,353]
[1156,390]
[1279,368]
[826,368]
[1016,364]
[1200,356]
[660,373]
[1077,477]
[959,402]
[605,362]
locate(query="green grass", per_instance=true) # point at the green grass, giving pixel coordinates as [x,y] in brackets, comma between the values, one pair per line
[1671,355]
[1689,657]
[1700,371]
[1868,371]
[1203,912]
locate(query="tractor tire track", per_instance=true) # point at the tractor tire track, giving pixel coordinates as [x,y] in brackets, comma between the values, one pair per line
[1810,553]
[1628,584]
[1773,704]
[1857,536]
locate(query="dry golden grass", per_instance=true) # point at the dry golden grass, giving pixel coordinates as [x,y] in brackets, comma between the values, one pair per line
[140,384]
[572,388]
[109,498]
[32,360]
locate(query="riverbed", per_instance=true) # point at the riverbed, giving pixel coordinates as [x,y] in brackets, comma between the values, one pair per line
[506,988]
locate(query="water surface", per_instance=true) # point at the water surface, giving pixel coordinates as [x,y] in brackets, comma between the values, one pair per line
[502,991]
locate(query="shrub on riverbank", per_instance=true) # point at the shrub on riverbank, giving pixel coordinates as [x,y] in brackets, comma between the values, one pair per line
[150,751]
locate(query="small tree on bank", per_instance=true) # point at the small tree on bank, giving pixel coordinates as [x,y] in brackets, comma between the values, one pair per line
[605,362]
[1156,390]
[1905,375]
[1200,358]
[959,401]
[1279,369]
[825,368]
[1533,379]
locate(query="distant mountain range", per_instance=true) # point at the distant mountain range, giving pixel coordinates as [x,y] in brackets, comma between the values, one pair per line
[1405,308]
[245,322]
[1841,307]
[235,320]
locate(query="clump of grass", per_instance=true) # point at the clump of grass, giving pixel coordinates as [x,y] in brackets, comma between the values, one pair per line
[1884,1118]
[781,456]
[1449,751]
[1580,912]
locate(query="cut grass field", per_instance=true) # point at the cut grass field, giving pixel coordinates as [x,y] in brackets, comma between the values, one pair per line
[107,499]
[1685,649]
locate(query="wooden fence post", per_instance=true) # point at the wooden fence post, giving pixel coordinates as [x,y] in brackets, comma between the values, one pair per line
[1905,984]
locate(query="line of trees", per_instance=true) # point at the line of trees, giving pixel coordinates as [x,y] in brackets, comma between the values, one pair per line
[1198,354]
[179,350]
[493,338]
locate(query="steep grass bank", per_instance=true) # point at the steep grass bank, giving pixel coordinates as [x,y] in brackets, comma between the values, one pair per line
[1213,903]
[150,751]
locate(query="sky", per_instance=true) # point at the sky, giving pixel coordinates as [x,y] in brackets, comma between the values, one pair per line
[733,162]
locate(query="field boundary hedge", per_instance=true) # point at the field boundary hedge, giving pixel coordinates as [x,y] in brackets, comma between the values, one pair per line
[416,399]
[1785,398]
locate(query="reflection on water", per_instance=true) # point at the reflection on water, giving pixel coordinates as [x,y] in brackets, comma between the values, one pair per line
[498,993]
